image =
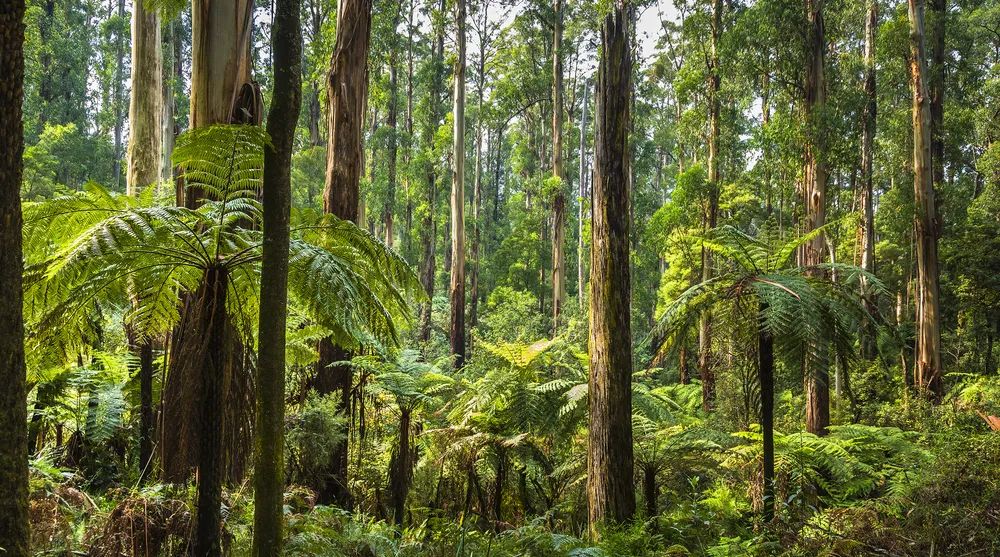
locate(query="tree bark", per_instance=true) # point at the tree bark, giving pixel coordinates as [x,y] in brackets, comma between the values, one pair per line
[559,201]
[580,245]
[147,424]
[928,355]
[393,147]
[286,49]
[457,288]
[765,371]
[610,490]
[817,377]
[13,403]
[145,104]
[119,99]
[711,210]
[214,343]
[867,191]
[650,490]
[347,93]
[399,471]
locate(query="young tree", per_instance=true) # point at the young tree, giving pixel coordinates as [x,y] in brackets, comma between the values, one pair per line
[286,43]
[610,490]
[13,405]
[580,247]
[457,287]
[347,93]
[928,356]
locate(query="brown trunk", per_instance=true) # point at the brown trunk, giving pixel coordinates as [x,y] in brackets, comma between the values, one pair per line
[559,202]
[347,93]
[393,147]
[814,198]
[457,289]
[765,372]
[145,105]
[928,354]
[650,491]
[867,192]
[13,404]
[119,99]
[428,228]
[711,210]
[610,490]
[399,468]
[147,425]
[212,355]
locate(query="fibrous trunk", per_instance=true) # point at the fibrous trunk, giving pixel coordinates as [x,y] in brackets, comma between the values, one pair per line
[610,491]
[13,404]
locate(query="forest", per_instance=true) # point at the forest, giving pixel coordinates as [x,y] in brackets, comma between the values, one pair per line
[488,278]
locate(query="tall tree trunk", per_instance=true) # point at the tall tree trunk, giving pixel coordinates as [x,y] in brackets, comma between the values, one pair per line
[213,352]
[559,202]
[286,49]
[144,166]
[928,356]
[765,372]
[457,289]
[390,196]
[477,189]
[170,47]
[867,190]
[428,228]
[711,210]
[610,490]
[145,104]
[817,377]
[347,93]
[13,404]
[580,245]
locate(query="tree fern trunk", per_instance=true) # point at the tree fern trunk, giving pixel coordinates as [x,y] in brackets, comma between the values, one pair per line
[610,490]
[765,371]
[214,336]
[13,404]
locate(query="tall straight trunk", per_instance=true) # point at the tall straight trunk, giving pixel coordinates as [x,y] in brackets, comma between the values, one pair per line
[477,188]
[408,153]
[765,372]
[610,490]
[817,377]
[14,526]
[146,101]
[170,45]
[559,202]
[214,351]
[269,483]
[580,245]
[393,147]
[928,355]
[867,190]
[457,289]
[711,210]
[118,100]
[347,93]
[936,86]
[428,227]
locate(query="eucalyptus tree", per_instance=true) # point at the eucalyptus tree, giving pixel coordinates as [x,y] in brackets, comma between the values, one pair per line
[610,492]
[456,291]
[14,527]
[927,371]
[347,92]
[788,308]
